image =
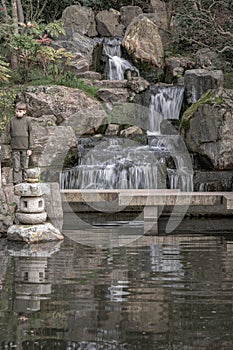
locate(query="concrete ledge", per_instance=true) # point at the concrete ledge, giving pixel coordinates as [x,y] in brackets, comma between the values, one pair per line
[149,197]
[172,198]
[228,200]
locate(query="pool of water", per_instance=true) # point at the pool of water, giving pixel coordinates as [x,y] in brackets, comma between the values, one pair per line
[162,293]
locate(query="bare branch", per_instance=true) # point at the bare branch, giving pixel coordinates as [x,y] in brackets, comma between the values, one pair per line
[226,48]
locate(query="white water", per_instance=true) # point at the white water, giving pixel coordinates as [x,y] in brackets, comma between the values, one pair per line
[117,68]
[165,103]
[116,64]
[115,166]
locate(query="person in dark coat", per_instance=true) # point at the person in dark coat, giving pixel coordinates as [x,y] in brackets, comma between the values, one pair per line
[20,131]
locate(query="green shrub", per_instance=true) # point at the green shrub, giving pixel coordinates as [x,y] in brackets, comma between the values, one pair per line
[4,71]
[7,103]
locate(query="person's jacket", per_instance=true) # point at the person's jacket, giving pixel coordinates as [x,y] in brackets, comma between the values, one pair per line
[20,131]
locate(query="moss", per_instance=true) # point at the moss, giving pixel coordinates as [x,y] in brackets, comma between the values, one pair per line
[211,97]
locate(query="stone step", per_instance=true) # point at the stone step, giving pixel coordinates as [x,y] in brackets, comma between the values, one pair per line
[114,84]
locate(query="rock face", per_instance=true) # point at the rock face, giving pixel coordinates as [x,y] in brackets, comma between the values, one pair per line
[51,145]
[207,128]
[66,104]
[175,68]
[128,13]
[80,19]
[159,8]
[81,46]
[143,42]
[198,81]
[108,24]
[72,112]
[119,95]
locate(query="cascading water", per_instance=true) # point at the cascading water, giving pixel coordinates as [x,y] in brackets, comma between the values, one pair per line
[165,103]
[119,164]
[116,64]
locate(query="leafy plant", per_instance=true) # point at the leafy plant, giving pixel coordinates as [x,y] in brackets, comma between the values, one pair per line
[7,103]
[49,10]
[32,47]
[69,79]
[53,61]
[4,71]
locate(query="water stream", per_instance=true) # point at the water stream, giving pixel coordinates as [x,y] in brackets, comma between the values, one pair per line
[116,65]
[124,164]
[118,163]
[165,103]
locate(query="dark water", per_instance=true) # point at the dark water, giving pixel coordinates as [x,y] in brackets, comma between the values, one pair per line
[171,292]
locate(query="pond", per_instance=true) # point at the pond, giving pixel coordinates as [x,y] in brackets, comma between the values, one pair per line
[161,292]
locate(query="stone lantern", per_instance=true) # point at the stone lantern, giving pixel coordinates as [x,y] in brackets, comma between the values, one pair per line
[31,215]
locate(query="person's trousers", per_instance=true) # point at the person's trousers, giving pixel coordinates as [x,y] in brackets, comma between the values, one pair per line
[20,161]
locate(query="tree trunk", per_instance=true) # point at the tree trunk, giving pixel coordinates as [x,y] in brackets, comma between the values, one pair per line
[20,11]
[14,60]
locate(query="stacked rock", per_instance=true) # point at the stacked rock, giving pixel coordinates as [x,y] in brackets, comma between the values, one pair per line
[31,213]
[31,203]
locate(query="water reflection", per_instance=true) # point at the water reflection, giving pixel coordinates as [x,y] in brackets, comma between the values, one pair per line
[157,293]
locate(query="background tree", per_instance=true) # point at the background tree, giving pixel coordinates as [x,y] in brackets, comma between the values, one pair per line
[15,20]
[204,23]
[4,13]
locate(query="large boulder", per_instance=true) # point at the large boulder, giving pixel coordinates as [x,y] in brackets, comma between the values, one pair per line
[143,42]
[81,19]
[164,33]
[72,112]
[112,95]
[70,107]
[51,145]
[82,47]
[175,68]
[159,8]
[207,128]
[128,13]
[108,23]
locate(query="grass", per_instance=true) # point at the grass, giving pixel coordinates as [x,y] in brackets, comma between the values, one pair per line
[66,79]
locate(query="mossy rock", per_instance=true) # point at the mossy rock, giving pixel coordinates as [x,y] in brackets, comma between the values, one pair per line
[211,97]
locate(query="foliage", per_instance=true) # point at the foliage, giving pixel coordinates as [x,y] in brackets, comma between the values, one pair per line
[7,102]
[4,71]
[50,10]
[204,23]
[66,79]
[53,61]
[31,45]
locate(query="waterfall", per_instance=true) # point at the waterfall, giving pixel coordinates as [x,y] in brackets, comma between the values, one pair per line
[115,165]
[165,103]
[124,164]
[116,64]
